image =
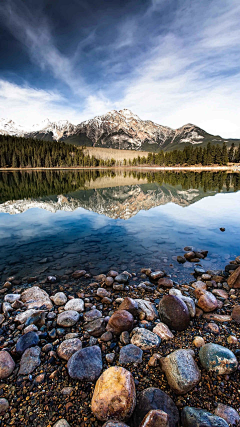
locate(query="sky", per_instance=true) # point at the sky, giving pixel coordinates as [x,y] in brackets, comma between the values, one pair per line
[170,61]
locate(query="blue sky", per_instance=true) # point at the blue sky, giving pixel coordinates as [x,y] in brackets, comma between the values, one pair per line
[171,61]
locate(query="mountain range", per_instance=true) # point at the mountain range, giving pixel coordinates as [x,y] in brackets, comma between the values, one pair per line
[116,129]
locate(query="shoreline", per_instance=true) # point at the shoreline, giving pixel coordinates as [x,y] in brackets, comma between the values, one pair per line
[161,168]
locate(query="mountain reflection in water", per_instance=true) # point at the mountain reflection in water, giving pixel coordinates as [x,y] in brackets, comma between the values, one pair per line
[105,219]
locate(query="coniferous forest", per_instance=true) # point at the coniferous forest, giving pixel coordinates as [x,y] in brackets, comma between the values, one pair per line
[18,152]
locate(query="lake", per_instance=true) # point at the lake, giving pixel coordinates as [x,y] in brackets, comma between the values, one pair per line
[55,222]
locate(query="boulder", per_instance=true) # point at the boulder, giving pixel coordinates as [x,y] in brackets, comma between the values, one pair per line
[181,370]
[35,298]
[145,339]
[114,395]
[130,354]
[121,320]
[174,312]
[30,361]
[29,316]
[219,359]
[75,304]
[86,364]
[68,347]
[155,418]
[7,364]
[195,417]
[153,398]
[67,318]
[12,298]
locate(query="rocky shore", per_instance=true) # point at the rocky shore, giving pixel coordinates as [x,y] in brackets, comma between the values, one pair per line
[121,349]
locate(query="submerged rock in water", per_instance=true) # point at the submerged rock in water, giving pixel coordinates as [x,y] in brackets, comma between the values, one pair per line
[114,395]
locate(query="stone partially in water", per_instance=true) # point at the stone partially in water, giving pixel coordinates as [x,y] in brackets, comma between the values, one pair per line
[219,359]
[145,339]
[27,340]
[67,318]
[121,320]
[195,417]
[35,298]
[174,313]
[7,364]
[181,370]
[30,361]
[114,395]
[68,347]
[151,399]
[86,364]
[155,418]
[130,354]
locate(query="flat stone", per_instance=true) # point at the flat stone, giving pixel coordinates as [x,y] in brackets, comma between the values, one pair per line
[75,304]
[95,328]
[35,298]
[78,273]
[130,354]
[217,317]
[86,364]
[59,298]
[7,364]
[151,399]
[121,320]
[148,308]
[207,301]
[195,417]
[92,315]
[155,418]
[181,370]
[30,360]
[61,423]
[234,279]
[4,405]
[27,340]
[67,318]
[163,331]
[228,413]
[130,305]
[174,312]
[219,359]
[68,347]
[114,395]
[145,339]
[236,313]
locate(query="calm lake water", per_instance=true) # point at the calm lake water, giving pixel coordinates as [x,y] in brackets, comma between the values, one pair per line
[57,221]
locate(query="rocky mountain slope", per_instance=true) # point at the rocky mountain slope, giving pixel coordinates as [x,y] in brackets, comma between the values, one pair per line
[116,129]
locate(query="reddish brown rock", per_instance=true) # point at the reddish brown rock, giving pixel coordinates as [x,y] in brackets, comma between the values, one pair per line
[234,279]
[155,418]
[120,321]
[236,313]
[207,301]
[174,312]
[7,364]
[165,283]
[130,305]
[114,395]
[189,255]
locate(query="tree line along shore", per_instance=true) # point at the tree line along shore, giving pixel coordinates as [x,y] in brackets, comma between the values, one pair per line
[16,152]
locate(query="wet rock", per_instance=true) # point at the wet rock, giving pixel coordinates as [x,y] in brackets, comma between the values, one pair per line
[236,313]
[120,321]
[92,315]
[68,347]
[27,340]
[181,370]
[75,304]
[112,273]
[212,327]
[78,273]
[114,395]
[155,418]
[157,275]
[122,278]
[12,298]
[189,255]
[165,283]
[234,279]
[145,339]
[199,270]
[151,399]
[219,359]
[174,312]
[181,259]
[7,364]
[95,328]
[148,308]
[61,423]
[67,318]
[4,405]
[35,298]
[30,328]
[207,301]
[130,305]
[163,331]
[228,414]
[130,354]
[59,298]
[195,417]
[30,361]
[86,364]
